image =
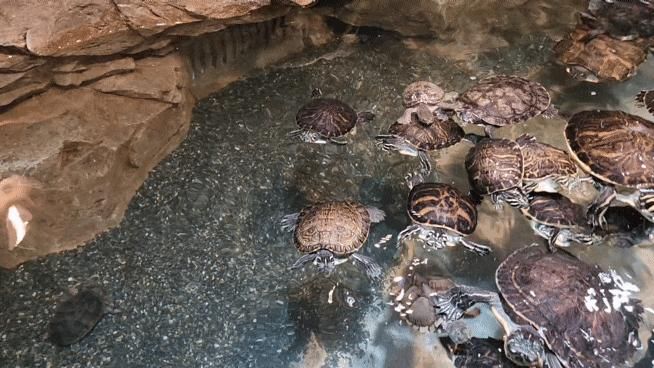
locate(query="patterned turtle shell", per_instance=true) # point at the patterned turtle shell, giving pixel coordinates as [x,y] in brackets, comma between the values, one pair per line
[422,92]
[542,160]
[326,116]
[442,206]
[505,99]
[340,227]
[555,210]
[563,297]
[613,146]
[439,134]
[495,165]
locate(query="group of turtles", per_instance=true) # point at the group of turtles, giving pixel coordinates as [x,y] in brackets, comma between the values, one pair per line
[543,290]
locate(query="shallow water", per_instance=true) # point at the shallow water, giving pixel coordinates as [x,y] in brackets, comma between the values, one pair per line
[199,267]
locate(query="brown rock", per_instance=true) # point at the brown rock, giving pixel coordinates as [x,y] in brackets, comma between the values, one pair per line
[18,63]
[90,151]
[16,86]
[89,72]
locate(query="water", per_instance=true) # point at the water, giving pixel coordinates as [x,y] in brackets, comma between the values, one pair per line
[199,266]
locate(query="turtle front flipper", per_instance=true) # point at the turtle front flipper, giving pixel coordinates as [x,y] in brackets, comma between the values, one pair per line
[289,222]
[373,270]
[481,250]
[598,208]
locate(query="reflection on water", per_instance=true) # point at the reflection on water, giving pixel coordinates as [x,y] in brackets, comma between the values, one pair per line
[200,258]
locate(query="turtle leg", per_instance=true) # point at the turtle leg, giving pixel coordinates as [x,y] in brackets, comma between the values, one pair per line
[372,269]
[434,239]
[407,233]
[598,208]
[515,197]
[289,222]
[454,302]
[307,136]
[316,93]
[376,215]
[304,260]
[425,162]
[554,237]
[646,203]
[365,117]
[390,142]
[340,142]
[472,138]
[551,361]
[481,250]
[551,112]
[489,130]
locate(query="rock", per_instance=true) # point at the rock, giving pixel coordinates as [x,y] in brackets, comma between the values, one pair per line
[15,86]
[18,63]
[74,74]
[90,148]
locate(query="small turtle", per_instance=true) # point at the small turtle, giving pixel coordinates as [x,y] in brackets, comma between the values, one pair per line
[646,99]
[77,314]
[441,216]
[427,95]
[559,220]
[568,313]
[425,133]
[617,149]
[478,353]
[331,233]
[324,120]
[600,59]
[547,168]
[621,19]
[496,167]
[503,100]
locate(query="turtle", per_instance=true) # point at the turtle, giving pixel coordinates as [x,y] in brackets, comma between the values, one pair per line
[77,314]
[324,120]
[478,352]
[496,167]
[617,149]
[332,232]
[427,95]
[547,168]
[646,99]
[441,216]
[502,100]
[566,313]
[601,58]
[559,220]
[623,20]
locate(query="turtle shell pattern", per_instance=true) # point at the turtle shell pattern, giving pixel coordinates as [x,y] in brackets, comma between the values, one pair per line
[505,99]
[549,291]
[555,210]
[478,352]
[442,205]
[542,160]
[340,227]
[76,316]
[614,146]
[495,165]
[440,134]
[422,92]
[326,116]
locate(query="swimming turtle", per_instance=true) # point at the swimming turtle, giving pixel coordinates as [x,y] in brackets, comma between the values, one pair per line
[503,100]
[547,168]
[621,19]
[77,314]
[559,220]
[617,149]
[331,233]
[601,58]
[441,216]
[646,99]
[566,313]
[427,95]
[478,353]
[324,120]
[496,167]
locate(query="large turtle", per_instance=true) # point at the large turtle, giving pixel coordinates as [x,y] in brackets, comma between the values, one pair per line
[646,99]
[496,167]
[478,353]
[331,233]
[584,316]
[547,168]
[324,120]
[441,216]
[621,19]
[601,58]
[559,220]
[617,149]
[77,314]
[503,100]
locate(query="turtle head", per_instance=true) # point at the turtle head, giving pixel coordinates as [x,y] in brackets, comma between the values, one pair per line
[325,261]
[582,74]
[525,347]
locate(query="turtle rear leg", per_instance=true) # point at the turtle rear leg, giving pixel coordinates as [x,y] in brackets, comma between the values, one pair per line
[598,208]
[481,250]
[373,270]
[289,222]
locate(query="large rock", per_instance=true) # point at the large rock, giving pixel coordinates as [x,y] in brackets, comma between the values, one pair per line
[88,150]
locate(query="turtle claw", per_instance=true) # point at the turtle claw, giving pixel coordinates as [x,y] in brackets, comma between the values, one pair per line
[289,222]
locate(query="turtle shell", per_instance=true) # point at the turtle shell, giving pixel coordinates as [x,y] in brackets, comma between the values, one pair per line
[443,206]
[541,160]
[76,316]
[505,99]
[326,116]
[495,165]
[646,99]
[613,146]
[340,227]
[440,134]
[572,304]
[556,210]
[422,92]
[478,352]
[622,19]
